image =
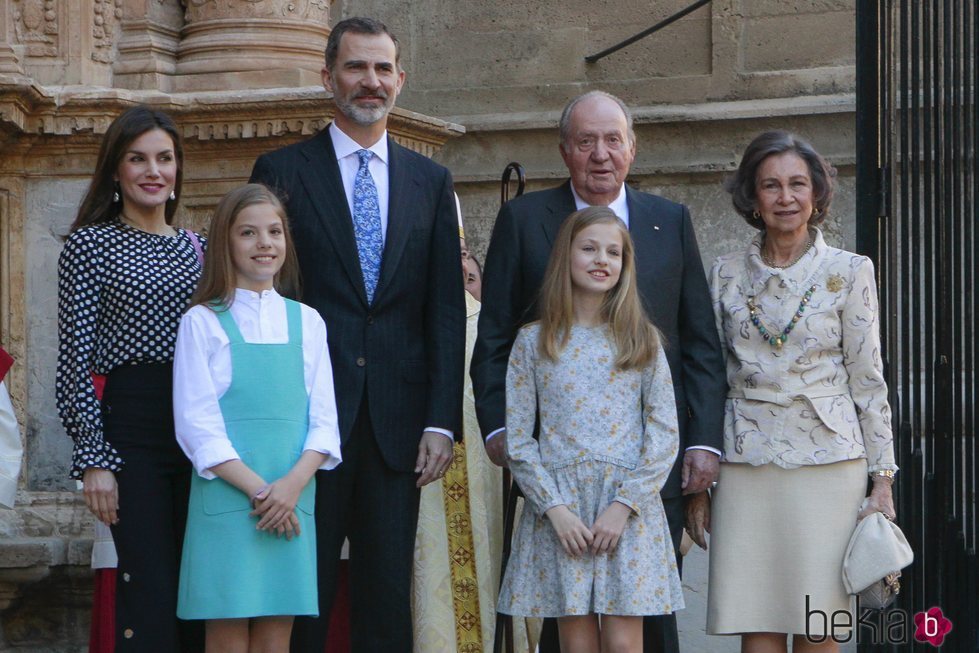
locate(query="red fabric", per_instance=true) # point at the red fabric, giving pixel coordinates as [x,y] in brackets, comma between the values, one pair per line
[6,360]
[338,640]
[98,380]
[101,639]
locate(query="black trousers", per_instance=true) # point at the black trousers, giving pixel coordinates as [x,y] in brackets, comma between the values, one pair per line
[154,485]
[377,509]
[659,634]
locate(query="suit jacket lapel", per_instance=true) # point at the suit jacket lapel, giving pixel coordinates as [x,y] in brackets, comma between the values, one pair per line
[643,227]
[321,178]
[643,223]
[401,191]
[559,207]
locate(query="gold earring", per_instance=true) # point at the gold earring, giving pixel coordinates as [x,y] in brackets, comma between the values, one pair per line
[756,215]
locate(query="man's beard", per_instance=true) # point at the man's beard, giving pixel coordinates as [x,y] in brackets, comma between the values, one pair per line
[364,116]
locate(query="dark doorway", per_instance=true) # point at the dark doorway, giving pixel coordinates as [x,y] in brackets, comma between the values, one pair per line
[916,218]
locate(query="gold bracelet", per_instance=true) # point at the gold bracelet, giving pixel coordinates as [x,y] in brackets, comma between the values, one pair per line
[884,474]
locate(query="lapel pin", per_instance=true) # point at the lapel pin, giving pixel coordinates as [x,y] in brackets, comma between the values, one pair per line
[656,227]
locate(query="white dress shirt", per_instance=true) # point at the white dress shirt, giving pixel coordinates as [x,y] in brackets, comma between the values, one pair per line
[346,150]
[202,374]
[619,206]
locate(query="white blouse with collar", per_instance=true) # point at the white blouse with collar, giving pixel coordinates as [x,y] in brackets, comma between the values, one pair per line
[820,398]
[202,374]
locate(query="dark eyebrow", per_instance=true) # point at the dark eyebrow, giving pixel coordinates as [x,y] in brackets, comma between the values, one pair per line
[357,63]
[144,153]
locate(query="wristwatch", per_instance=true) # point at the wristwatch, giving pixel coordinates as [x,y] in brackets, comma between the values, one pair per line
[889,474]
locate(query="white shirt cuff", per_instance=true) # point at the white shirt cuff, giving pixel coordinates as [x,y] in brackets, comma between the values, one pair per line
[327,442]
[444,432]
[495,433]
[211,454]
[706,448]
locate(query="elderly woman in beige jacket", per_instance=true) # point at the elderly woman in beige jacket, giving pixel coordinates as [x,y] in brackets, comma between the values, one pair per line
[807,416]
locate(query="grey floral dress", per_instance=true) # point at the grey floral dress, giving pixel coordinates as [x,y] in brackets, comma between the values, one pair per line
[605,435]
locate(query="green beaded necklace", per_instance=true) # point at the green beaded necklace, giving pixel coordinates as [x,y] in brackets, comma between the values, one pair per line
[778,340]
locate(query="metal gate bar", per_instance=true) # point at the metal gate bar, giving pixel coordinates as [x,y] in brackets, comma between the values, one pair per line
[917,191]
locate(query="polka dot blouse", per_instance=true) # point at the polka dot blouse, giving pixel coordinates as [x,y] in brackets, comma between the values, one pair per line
[121,293]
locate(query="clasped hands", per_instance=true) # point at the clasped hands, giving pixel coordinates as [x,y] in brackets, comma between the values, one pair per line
[602,537]
[275,506]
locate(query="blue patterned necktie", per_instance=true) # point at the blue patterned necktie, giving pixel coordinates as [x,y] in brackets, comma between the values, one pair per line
[367,225]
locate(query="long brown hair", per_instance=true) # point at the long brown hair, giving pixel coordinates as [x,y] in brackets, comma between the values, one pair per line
[636,339]
[98,205]
[217,285]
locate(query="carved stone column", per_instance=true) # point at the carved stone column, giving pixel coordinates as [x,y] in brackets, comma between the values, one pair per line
[147,51]
[252,44]
[62,42]
[9,62]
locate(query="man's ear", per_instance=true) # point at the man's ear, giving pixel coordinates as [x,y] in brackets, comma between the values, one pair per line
[327,79]
[401,81]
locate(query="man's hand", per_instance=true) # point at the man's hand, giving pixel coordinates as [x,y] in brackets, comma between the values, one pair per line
[496,448]
[434,457]
[698,517]
[571,531]
[700,469]
[101,494]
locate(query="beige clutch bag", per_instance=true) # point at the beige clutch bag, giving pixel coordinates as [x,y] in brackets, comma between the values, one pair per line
[874,558]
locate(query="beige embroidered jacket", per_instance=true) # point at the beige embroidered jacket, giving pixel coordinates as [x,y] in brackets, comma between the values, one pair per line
[821,397]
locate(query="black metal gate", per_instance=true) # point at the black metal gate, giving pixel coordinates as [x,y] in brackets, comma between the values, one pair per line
[916,217]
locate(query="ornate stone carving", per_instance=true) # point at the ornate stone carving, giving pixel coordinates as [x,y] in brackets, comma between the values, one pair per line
[36,26]
[258,37]
[314,10]
[107,14]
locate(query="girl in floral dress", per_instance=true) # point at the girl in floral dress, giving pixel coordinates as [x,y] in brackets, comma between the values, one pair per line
[592,374]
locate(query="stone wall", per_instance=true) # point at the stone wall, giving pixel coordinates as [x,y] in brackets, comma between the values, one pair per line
[242,77]
[700,89]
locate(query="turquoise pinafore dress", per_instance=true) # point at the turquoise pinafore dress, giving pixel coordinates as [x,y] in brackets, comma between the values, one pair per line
[229,569]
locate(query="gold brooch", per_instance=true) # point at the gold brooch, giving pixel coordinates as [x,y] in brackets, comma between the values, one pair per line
[834,283]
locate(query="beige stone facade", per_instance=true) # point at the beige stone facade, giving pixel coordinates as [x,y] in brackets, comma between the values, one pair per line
[487,80]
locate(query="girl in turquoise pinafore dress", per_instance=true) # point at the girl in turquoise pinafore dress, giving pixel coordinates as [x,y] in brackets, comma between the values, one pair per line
[255,413]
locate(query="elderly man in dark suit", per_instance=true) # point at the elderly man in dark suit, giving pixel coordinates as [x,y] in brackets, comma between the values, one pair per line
[377,238]
[598,146]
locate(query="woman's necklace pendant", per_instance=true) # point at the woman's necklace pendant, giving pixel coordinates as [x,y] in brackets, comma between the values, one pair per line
[777,341]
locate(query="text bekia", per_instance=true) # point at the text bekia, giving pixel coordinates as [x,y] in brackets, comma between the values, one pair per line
[871,626]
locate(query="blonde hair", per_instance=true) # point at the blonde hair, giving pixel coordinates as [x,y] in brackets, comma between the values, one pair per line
[216,288]
[636,339]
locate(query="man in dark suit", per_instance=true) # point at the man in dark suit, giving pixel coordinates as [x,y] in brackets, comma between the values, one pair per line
[598,146]
[376,233]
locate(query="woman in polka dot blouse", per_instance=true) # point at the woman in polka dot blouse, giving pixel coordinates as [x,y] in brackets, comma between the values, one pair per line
[125,277]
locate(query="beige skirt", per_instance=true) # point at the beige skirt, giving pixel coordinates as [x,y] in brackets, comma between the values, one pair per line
[776,549]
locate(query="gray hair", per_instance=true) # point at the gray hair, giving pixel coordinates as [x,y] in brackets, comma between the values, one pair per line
[564,125]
